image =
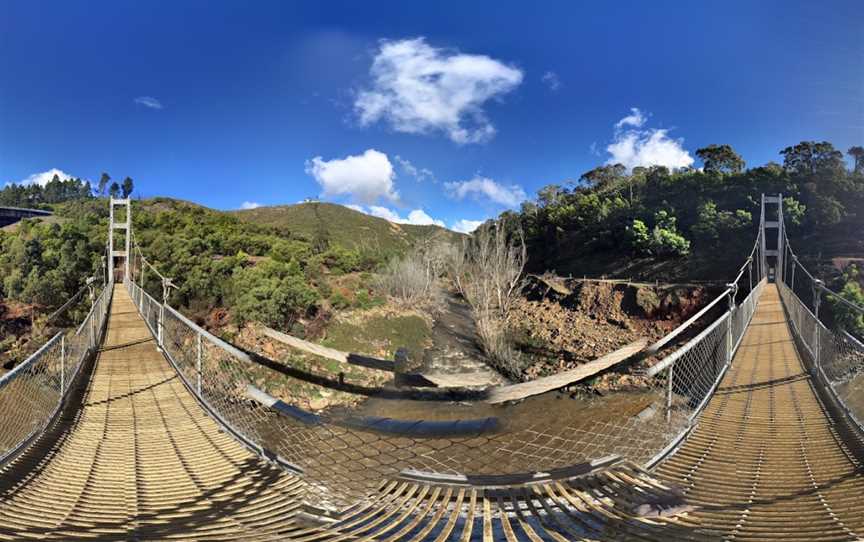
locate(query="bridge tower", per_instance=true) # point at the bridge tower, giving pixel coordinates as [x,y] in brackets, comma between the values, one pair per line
[772,228]
[119,256]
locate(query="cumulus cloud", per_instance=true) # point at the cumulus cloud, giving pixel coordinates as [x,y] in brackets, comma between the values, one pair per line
[509,196]
[45,177]
[636,119]
[148,101]
[636,145]
[250,205]
[365,177]
[417,217]
[419,89]
[551,80]
[466,226]
[421,174]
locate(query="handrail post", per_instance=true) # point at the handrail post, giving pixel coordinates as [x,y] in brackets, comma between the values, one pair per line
[733,291]
[817,300]
[750,273]
[165,287]
[62,366]
[199,348]
[669,393]
[92,335]
[794,266]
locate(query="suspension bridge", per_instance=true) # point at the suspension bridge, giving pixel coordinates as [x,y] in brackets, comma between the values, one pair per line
[139,425]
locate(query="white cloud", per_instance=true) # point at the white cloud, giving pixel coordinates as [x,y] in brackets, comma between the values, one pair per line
[509,196]
[250,205]
[421,174]
[551,80]
[45,177]
[420,89]
[417,217]
[638,146]
[636,119]
[466,226]
[385,213]
[148,101]
[365,177]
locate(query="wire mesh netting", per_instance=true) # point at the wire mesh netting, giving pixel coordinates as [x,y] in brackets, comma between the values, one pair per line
[836,355]
[33,392]
[343,460]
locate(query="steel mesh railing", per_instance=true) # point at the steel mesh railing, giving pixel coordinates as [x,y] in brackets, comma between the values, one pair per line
[837,357]
[33,392]
[343,462]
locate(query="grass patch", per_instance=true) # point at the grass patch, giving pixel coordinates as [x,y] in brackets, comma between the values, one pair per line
[380,336]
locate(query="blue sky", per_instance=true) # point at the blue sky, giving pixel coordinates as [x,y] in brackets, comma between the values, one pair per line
[423,111]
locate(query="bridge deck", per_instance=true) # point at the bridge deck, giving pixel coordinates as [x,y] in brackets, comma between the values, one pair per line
[767,460]
[141,460]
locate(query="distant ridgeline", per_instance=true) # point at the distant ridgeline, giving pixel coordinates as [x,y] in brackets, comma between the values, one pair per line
[691,223]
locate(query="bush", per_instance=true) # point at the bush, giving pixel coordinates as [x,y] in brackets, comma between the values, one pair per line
[273,293]
[339,301]
[408,281]
[363,299]
[341,260]
[639,238]
[668,243]
[847,317]
[664,239]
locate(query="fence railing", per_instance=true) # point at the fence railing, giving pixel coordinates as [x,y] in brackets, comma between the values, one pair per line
[32,394]
[836,357]
[216,372]
[341,460]
[692,373]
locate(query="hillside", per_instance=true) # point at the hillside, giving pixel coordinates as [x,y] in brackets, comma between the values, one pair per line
[343,226]
[691,224]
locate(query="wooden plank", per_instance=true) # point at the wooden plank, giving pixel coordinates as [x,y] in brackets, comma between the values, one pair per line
[329,353]
[515,392]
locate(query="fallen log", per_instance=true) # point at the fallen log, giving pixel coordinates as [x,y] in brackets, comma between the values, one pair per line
[514,392]
[330,353]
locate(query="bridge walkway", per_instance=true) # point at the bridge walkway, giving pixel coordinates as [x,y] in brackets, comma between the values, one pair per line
[768,460]
[140,459]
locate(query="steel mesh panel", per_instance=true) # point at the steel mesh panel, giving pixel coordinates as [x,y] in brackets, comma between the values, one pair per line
[32,393]
[837,356]
[342,463]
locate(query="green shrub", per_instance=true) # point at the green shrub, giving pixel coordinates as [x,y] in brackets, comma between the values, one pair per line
[339,301]
[274,293]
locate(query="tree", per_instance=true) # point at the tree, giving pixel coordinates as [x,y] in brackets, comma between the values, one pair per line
[857,154]
[603,175]
[810,158]
[549,195]
[639,238]
[720,159]
[664,239]
[714,225]
[114,191]
[128,186]
[488,274]
[103,182]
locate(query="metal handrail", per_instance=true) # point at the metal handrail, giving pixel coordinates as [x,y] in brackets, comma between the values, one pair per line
[45,378]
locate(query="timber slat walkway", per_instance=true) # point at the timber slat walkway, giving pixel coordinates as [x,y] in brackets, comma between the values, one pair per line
[768,461]
[139,459]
